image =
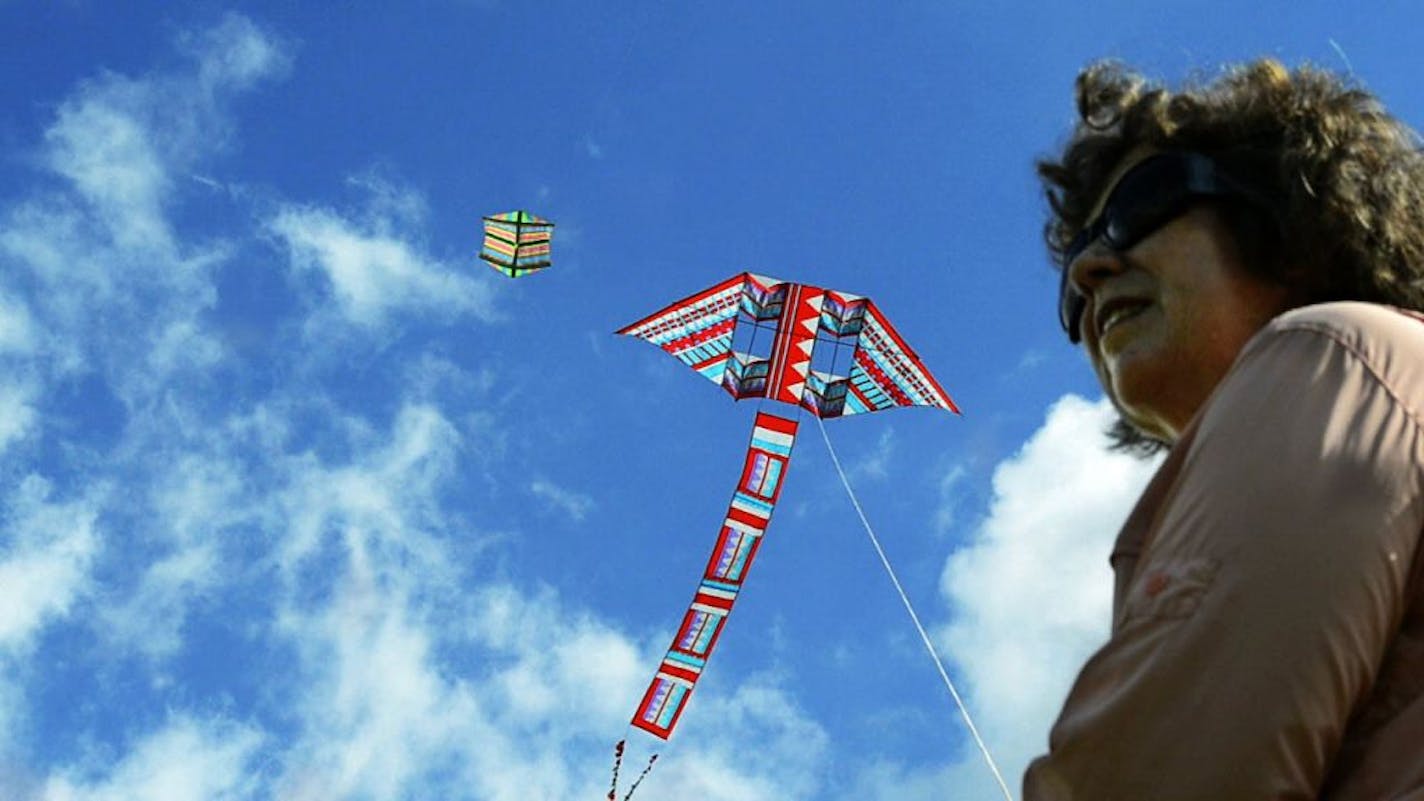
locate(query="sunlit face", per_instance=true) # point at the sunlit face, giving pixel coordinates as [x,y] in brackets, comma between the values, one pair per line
[1166,318]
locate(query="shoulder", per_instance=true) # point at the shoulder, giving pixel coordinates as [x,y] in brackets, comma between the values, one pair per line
[1370,329]
[1343,381]
[1385,343]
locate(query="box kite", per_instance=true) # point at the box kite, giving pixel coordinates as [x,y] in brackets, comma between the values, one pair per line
[517,242]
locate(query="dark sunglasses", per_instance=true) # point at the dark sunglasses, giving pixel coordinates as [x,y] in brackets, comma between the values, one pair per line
[1148,197]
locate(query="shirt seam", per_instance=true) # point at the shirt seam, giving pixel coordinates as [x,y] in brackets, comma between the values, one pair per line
[1310,326]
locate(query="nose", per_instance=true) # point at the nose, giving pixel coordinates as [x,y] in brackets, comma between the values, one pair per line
[1096,264]
[1085,276]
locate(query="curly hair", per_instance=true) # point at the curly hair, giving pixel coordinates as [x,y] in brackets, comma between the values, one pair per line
[1345,179]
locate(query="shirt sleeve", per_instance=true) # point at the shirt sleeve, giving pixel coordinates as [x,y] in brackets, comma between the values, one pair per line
[1272,583]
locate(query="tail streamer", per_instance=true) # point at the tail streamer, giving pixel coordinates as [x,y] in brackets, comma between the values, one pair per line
[617,762]
[943,674]
[641,776]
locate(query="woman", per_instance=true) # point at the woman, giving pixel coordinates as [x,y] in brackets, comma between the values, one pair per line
[1242,263]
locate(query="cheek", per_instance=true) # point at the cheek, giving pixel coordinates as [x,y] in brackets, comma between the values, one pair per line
[1140,374]
[1101,371]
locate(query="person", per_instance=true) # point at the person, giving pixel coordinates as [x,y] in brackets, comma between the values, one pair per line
[1243,264]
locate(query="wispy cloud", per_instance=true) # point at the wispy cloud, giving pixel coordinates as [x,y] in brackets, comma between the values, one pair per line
[573,504]
[321,537]
[875,464]
[17,413]
[188,758]
[103,245]
[374,273]
[376,715]
[384,499]
[98,289]
[1031,360]
[120,141]
[17,327]
[195,503]
[949,498]
[45,570]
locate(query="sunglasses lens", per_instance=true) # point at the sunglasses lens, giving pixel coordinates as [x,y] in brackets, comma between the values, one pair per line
[1070,312]
[1146,198]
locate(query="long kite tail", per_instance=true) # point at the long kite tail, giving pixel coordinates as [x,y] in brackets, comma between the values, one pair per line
[641,776]
[748,516]
[617,762]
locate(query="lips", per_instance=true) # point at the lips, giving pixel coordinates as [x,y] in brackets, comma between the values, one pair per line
[1114,311]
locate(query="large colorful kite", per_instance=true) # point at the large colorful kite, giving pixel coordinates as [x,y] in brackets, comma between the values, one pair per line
[517,242]
[831,353]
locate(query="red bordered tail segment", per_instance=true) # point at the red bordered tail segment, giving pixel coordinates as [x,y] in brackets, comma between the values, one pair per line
[748,515]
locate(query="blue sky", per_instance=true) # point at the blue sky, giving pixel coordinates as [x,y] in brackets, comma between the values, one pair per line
[300,500]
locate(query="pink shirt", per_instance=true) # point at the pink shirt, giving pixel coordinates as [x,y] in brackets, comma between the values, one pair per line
[1268,620]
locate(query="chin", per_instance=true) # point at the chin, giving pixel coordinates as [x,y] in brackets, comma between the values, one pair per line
[1140,396]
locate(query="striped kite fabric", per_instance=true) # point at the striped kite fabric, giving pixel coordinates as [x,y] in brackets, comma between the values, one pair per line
[748,515]
[517,242]
[868,365]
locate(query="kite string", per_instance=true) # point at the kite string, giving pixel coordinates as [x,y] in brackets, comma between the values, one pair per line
[875,541]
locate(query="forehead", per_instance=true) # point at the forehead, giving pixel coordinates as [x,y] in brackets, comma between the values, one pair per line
[1133,158]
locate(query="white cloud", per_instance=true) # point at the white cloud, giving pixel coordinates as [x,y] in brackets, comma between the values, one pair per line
[374,273]
[183,345]
[566,688]
[888,781]
[411,677]
[49,549]
[117,295]
[102,144]
[192,505]
[201,485]
[376,713]
[949,499]
[113,281]
[150,620]
[373,611]
[1032,594]
[235,54]
[17,327]
[17,414]
[121,140]
[186,760]
[1031,360]
[378,717]
[762,747]
[386,497]
[875,465]
[573,504]
[412,684]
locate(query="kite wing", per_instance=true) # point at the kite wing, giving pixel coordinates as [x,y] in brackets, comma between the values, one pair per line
[517,242]
[884,372]
[832,353]
[697,329]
